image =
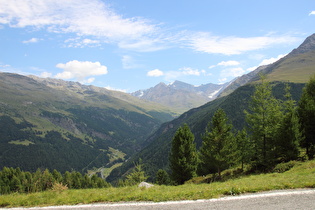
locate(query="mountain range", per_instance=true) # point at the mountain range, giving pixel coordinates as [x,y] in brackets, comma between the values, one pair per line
[181,96]
[55,124]
[294,69]
[63,125]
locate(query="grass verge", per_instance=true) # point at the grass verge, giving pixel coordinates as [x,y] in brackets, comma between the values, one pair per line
[300,176]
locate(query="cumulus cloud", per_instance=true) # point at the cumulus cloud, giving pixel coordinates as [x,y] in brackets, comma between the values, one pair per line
[271,60]
[32,40]
[204,42]
[225,63]
[116,89]
[155,73]
[45,74]
[232,72]
[81,17]
[267,62]
[312,13]
[229,63]
[185,71]
[80,70]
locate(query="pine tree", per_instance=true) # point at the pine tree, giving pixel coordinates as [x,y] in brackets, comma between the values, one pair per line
[289,133]
[162,177]
[244,148]
[183,156]
[137,175]
[306,111]
[264,118]
[215,148]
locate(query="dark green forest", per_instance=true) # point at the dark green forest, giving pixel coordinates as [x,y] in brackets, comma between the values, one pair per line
[51,151]
[15,180]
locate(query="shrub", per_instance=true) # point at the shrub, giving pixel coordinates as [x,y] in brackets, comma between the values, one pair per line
[59,187]
[282,167]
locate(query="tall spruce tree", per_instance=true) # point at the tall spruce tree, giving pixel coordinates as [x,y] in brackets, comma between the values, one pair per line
[289,133]
[183,155]
[214,152]
[264,118]
[306,111]
[243,148]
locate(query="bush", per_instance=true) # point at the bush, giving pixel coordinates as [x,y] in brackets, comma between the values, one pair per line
[59,187]
[282,167]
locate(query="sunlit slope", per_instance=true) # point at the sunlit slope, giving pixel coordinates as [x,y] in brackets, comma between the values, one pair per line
[297,69]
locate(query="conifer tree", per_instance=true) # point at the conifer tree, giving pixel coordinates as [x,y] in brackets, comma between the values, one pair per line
[162,177]
[263,118]
[214,151]
[137,175]
[306,111]
[244,148]
[183,155]
[289,133]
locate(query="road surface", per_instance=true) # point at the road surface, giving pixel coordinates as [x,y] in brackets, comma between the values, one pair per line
[282,199]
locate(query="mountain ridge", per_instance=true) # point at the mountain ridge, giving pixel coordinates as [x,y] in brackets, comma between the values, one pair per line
[180,95]
[38,116]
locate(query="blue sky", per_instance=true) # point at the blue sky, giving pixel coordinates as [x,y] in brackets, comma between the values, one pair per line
[135,44]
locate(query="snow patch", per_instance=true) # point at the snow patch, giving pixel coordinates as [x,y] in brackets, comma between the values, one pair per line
[212,95]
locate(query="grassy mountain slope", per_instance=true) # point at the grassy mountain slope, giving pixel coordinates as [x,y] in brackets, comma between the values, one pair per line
[47,123]
[296,67]
[155,155]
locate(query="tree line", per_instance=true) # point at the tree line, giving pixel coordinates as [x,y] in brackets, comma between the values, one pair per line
[276,131]
[15,180]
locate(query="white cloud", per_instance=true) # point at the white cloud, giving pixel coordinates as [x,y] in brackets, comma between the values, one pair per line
[155,73]
[271,60]
[251,68]
[80,43]
[185,71]
[204,42]
[190,71]
[144,45]
[225,64]
[45,74]
[32,40]
[80,70]
[81,17]
[267,62]
[232,72]
[128,62]
[222,80]
[312,13]
[115,89]
[229,63]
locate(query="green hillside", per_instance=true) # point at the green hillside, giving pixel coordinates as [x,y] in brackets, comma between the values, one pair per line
[47,123]
[155,155]
[295,69]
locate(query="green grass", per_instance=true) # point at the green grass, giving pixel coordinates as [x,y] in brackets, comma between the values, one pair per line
[296,69]
[300,176]
[21,142]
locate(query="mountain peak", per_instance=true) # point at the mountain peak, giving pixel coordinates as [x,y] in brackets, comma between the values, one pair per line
[307,46]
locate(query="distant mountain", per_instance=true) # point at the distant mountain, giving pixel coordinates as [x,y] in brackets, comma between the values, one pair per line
[179,95]
[55,124]
[294,69]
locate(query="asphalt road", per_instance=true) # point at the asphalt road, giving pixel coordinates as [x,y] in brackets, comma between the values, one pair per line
[282,199]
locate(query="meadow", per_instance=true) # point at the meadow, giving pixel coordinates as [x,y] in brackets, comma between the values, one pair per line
[301,175]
